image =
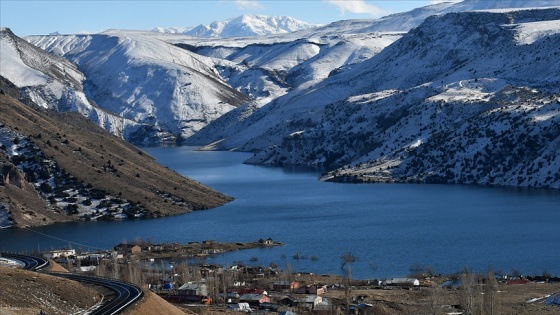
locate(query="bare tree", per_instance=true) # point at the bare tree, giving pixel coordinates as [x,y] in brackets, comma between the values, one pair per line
[470,293]
[436,297]
[490,301]
[347,289]
[347,258]
[290,274]
[134,271]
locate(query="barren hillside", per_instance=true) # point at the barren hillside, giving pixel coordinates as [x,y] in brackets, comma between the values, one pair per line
[27,292]
[60,166]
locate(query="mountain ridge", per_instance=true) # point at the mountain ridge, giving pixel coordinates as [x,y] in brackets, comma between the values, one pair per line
[147,81]
[246,25]
[485,58]
[59,167]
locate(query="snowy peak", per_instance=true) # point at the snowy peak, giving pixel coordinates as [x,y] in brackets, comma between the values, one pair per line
[243,26]
[171,30]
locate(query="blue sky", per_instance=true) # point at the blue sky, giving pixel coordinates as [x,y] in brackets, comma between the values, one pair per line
[72,17]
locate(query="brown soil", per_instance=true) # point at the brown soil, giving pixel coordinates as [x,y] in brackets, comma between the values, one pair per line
[55,267]
[26,292]
[82,149]
[153,304]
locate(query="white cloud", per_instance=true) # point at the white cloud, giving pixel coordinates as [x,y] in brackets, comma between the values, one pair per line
[357,7]
[249,4]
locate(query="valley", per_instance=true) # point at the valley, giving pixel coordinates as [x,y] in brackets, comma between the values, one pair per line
[368,100]
[264,122]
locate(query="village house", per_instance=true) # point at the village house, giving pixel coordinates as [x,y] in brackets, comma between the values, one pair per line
[268,241]
[285,285]
[243,291]
[254,299]
[309,301]
[128,249]
[312,289]
[403,282]
[154,248]
[230,296]
[193,289]
[54,254]
[288,301]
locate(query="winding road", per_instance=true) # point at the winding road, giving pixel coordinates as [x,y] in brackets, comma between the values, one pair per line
[125,293]
[29,262]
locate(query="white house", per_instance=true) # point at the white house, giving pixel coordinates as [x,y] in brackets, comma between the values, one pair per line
[59,253]
[310,301]
[405,282]
[197,289]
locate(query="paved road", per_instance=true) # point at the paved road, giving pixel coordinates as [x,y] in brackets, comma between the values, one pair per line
[125,293]
[29,262]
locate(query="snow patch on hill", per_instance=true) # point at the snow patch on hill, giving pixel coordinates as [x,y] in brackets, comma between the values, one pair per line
[12,66]
[528,33]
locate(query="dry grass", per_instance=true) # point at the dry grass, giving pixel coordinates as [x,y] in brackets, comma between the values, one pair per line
[29,292]
[510,299]
[25,292]
[82,148]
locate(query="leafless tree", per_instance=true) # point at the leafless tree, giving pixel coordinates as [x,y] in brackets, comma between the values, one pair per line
[347,258]
[347,289]
[490,300]
[470,293]
[436,299]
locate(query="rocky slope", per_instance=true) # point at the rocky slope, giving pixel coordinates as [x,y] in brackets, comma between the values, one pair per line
[465,97]
[60,167]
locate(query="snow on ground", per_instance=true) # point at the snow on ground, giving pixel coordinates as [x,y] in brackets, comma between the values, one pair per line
[482,89]
[78,201]
[528,33]
[13,67]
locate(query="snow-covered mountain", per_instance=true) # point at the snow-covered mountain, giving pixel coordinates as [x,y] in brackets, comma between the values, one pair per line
[53,82]
[242,26]
[465,97]
[171,30]
[147,80]
[405,21]
[369,95]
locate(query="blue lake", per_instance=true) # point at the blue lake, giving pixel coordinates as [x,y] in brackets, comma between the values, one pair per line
[388,227]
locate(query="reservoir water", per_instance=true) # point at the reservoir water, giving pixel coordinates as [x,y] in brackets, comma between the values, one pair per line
[388,227]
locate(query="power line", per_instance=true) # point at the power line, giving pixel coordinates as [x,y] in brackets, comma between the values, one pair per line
[64,240]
